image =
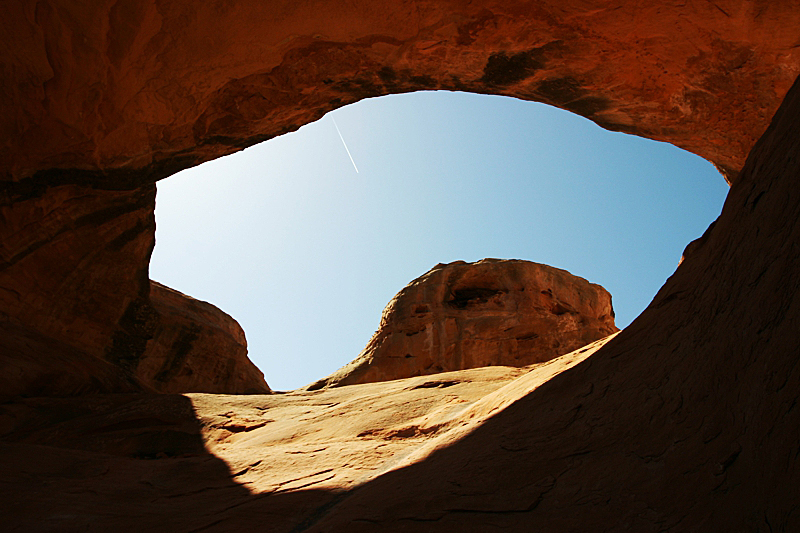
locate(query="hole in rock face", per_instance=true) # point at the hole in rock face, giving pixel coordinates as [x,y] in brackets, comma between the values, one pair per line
[304,252]
[559,309]
[463,298]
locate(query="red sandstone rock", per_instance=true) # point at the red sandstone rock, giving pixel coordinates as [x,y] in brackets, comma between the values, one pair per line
[196,348]
[685,421]
[74,289]
[467,315]
[75,304]
[101,99]
[126,92]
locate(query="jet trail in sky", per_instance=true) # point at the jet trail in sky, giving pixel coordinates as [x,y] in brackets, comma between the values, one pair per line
[345,144]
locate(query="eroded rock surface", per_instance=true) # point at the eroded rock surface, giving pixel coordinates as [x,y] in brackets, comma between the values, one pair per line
[126,92]
[196,348]
[231,463]
[74,290]
[77,313]
[468,315]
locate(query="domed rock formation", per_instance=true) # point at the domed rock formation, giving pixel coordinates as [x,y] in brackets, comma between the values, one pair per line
[468,315]
[196,348]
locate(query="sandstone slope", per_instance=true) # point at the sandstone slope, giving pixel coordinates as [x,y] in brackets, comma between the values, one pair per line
[226,463]
[467,315]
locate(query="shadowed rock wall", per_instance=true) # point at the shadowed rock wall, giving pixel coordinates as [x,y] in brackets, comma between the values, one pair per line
[126,92]
[77,312]
[74,289]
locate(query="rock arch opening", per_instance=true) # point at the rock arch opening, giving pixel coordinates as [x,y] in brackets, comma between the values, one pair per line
[686,419]
[304,252]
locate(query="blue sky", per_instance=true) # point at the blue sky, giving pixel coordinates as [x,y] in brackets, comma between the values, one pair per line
[304,252]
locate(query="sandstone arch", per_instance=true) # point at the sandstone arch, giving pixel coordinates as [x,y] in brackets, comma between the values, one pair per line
[102,101]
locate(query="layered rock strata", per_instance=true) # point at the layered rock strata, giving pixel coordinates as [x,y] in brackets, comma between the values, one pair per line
[77,313]
[467,315]
[121,93]
[74,289]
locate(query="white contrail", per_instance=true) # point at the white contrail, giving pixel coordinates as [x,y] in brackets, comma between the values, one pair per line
[345,144]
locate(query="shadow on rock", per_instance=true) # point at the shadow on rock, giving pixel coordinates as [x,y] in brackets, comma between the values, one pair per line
[126,462]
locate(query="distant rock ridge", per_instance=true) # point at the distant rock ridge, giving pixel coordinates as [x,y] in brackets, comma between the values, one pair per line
[492,312]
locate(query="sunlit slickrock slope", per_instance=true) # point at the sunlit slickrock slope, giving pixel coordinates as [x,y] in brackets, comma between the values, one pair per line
[221,462]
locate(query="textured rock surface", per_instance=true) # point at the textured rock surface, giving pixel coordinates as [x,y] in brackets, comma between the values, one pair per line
[75,310]
[196,348]
[227,463]
[685,421]
[74,290]
[467,315]
[106,88]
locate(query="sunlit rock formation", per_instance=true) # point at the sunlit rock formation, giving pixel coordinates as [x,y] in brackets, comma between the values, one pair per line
[467,315]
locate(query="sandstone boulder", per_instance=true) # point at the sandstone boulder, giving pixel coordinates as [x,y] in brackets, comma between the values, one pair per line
[468,315]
